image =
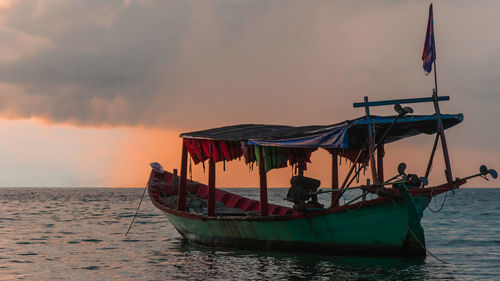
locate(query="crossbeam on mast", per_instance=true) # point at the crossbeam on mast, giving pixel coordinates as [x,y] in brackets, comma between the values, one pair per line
[398,101]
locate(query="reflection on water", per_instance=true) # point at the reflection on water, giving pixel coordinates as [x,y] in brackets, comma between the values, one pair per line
[78,234]
[199,262]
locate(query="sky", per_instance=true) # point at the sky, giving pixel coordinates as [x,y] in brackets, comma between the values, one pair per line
[93,91]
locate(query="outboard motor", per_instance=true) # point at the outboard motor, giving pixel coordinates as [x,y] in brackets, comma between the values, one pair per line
[303,189]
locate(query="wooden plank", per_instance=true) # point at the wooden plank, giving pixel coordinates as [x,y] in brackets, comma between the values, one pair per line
[335,179]
[211,184]
[181,199]
[263,183]
[398,101]
[380,164]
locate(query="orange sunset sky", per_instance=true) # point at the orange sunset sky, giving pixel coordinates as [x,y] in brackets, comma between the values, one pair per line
[93,91]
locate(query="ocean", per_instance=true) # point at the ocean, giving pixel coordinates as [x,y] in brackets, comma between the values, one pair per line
[79,234]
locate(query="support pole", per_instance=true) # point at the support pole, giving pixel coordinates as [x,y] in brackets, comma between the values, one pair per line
[335,178]
[370,143]
[181,198]
[211,184]
[263,183]
[344,184]
[431,159]
[380,163]
[446,156]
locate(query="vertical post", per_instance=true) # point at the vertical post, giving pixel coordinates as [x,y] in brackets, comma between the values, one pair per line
[370,143]
[211,183]
[263,182]
[335,179]
[181,198]
[439,121]
[380,163]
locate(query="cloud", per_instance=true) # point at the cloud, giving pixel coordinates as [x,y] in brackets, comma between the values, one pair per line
[17,44]
[162,67]
[191,64]
[104,57]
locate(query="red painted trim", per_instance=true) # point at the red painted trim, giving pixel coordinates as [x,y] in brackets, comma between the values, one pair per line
[429,191]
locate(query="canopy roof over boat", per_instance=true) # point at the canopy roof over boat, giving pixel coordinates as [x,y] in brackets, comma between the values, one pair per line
[350,134]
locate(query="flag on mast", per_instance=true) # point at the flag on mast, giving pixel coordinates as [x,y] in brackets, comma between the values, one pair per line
[429,53]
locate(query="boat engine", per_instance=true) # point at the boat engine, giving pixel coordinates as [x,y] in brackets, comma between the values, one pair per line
[303,189]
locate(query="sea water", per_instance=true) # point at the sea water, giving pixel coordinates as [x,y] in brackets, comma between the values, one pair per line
[79,234]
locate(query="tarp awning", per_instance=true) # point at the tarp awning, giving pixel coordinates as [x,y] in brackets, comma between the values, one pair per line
[349,134]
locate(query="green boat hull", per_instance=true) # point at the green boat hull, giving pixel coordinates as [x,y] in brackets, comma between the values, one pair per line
[387,227]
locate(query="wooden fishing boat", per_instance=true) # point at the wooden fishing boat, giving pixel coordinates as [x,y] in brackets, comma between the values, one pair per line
[386,224]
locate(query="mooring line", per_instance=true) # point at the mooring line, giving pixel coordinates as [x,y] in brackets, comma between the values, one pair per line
[137,211]
[425,248]
[415,236]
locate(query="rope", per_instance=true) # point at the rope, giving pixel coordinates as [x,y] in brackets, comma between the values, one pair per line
[442,204]
[415,236]
[137,211]
[425,248]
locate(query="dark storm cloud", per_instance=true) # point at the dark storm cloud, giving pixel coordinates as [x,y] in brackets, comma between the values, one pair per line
[190,64]
[101,53]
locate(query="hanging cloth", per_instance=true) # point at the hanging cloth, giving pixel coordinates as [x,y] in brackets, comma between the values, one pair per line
[274,157]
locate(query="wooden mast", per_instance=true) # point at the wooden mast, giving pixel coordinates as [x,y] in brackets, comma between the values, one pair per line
[181,199]
[211,183]
[449,176]
[263,182]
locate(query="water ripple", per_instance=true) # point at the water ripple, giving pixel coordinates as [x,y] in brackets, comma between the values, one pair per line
[78,234]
